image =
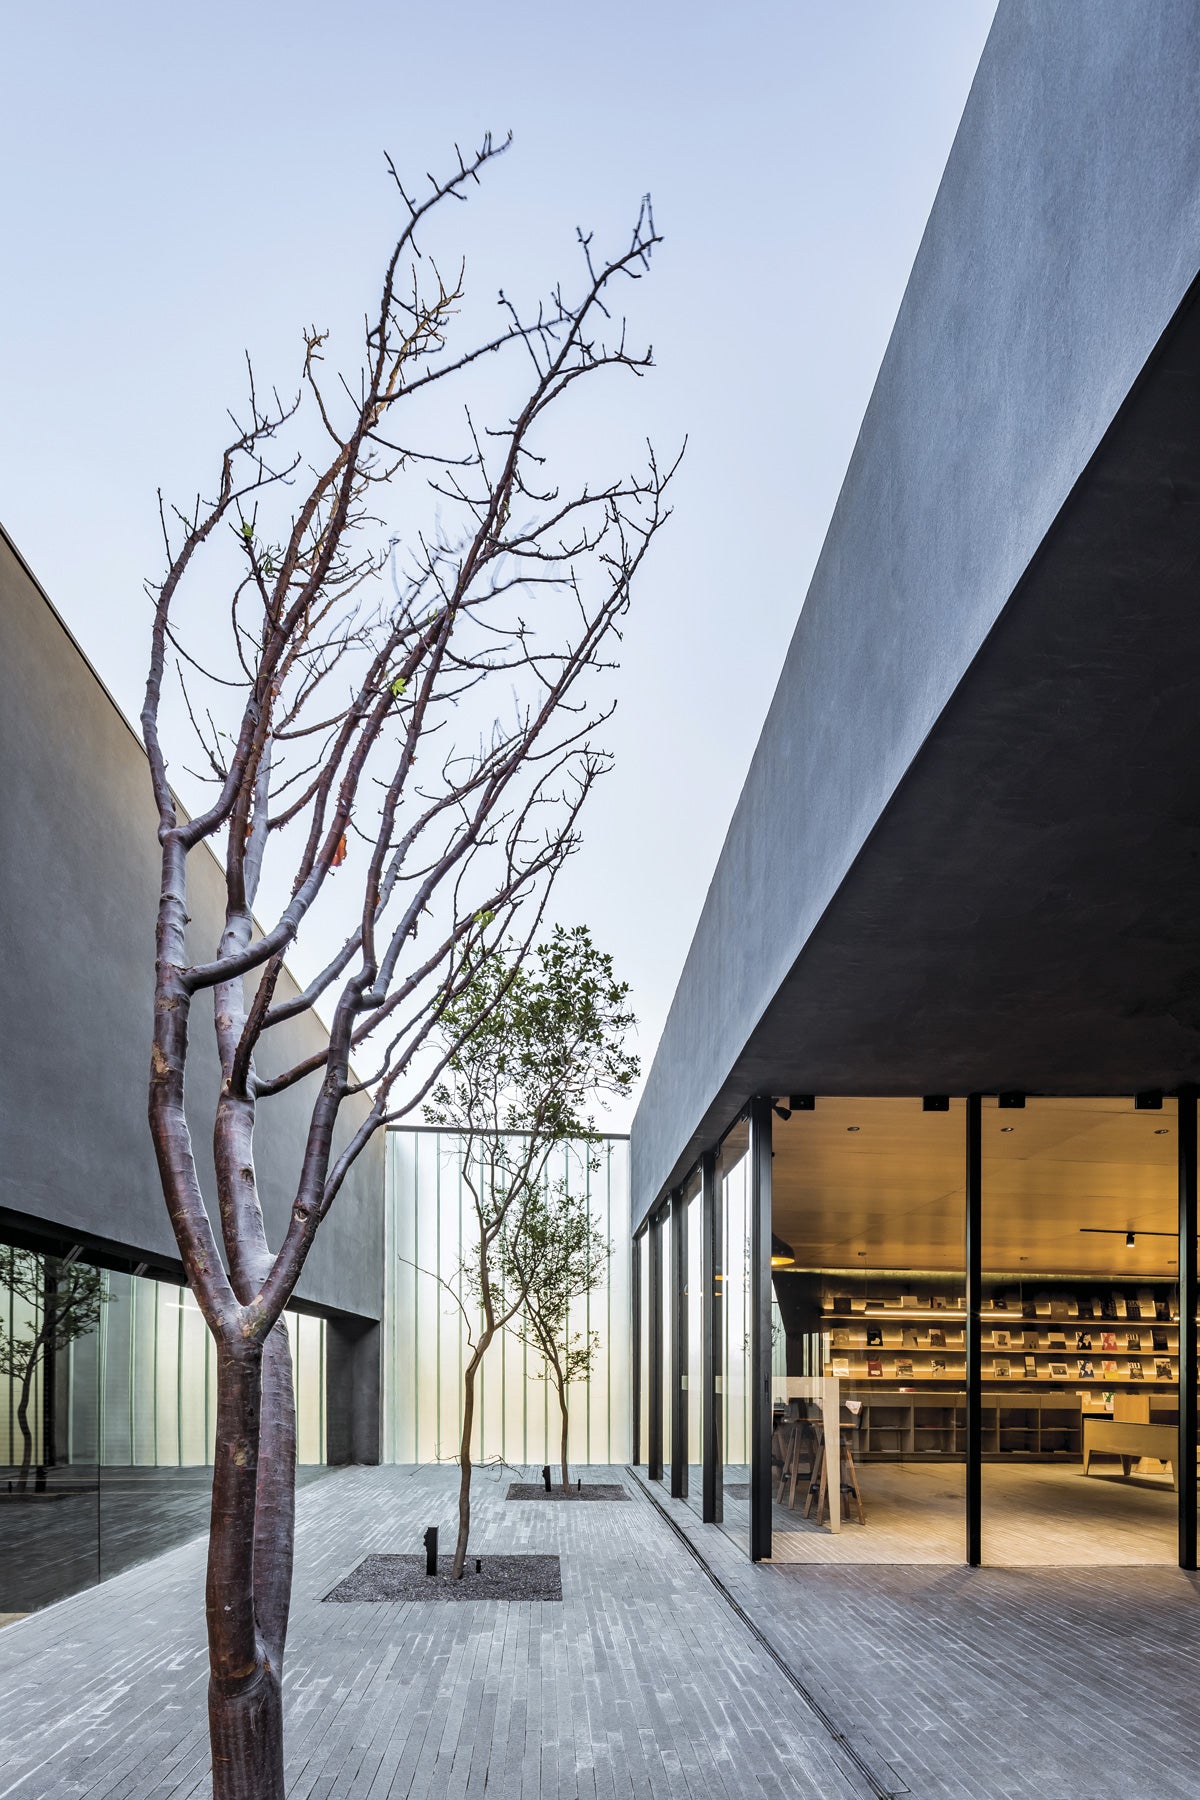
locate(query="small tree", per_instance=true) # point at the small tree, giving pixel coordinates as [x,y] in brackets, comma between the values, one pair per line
[386,630]
[565,1258]
[65,1297]
[536,1043]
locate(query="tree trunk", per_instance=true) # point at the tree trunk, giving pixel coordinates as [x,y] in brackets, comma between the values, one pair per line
[249,1567]
[561,1385]
[23,1419]
[464,1458]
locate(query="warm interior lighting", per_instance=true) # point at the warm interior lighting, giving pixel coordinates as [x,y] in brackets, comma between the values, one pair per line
[782,1255]
[1130,1240]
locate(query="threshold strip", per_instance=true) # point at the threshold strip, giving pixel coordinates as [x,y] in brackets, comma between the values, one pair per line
[810,1700]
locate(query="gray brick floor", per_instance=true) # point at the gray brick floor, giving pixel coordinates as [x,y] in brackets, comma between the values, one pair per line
[641,1682]
[994,1683]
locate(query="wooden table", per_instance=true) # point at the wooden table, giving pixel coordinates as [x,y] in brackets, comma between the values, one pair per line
[1129,1439]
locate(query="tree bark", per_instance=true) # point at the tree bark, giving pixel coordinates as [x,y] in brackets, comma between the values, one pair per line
[23,1419]
[562,1407]
[249,1567]
[464,1458]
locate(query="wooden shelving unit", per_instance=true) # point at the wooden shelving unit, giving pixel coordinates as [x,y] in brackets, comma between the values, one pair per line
[901,1352]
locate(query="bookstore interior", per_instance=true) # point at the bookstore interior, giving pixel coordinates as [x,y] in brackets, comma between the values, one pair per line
[1079,1330]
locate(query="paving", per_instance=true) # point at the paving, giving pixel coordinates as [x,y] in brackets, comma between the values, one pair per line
[988,1684]
[640,1682]
[945,1683]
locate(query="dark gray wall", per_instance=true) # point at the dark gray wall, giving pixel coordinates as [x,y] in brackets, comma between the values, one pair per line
[1063,239]
[79,874]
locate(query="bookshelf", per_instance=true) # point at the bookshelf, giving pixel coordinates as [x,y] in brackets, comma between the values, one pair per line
[1053,1348]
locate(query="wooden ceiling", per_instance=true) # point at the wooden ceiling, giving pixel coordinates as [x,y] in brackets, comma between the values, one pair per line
[878,1184]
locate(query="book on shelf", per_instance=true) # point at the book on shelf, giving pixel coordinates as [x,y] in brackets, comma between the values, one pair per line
[937,1366]
[874,1337]
[1084,1310]
[1029,1309]
[1135,1369]
[874,1366]
[1058,1371]
[1060,1307]
[841,1365]
[1001,1369]
[1146,1302]
[910,1338]
[1159,1340]
[939,1303]
[1083,1340]
[1162,1309]
[1000,1339]
[1133,1308]
[839,1338]
[1108,1340]
[1041,1305]
[1085,1370]
[1058,1340]
[1000,1303]
[904,1368]
[858,1303]
[893,1300]
[1031,1366]
[1119,1306]
[842,1303]
[937,1338]
[1109,1370]
[1163,1370]
[910,1301]
[1133,1340]
[1108,1307]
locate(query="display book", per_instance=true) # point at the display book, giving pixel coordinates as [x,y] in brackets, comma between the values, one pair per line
[1083,1331]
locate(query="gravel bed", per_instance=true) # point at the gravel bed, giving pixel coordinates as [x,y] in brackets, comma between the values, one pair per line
[404,1578]
[535,1490]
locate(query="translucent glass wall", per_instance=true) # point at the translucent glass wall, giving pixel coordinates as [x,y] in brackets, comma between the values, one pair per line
[121,1426]
[429,1219]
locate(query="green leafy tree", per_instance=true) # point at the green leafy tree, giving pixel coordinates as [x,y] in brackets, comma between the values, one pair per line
[566,1258]
[536,1041]
[65,1298]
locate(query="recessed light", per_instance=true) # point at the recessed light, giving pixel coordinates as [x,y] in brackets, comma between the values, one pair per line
[1008,1128]
[1162,1131]
[854,1128]
[862,1253]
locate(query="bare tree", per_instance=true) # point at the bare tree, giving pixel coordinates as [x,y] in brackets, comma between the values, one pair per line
[530,1048]
[403,682]
[64,1298]
[562,1256]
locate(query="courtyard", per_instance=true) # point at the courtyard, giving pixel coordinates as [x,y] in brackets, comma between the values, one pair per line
[643,1680]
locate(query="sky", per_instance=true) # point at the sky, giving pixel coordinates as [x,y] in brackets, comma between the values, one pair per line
[181,185]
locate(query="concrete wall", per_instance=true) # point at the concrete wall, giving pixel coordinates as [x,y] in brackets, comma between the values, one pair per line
[79,876]
[1064,236]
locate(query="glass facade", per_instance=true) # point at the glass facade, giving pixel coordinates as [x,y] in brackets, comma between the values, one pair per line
[115,1376]
[428,1222]
[643,1369]
[733,1185]
[694,1343]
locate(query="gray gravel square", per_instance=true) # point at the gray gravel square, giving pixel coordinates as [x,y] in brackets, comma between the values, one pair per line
[398,1577]
[536,1490]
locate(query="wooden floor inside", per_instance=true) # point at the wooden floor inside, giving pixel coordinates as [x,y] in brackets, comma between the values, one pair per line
[1034,1515]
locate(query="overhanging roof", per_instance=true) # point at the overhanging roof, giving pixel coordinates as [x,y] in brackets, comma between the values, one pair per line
[967,854]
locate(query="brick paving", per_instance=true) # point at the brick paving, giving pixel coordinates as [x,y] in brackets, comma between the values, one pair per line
[640,1682]
[989,1684]
[950,1684]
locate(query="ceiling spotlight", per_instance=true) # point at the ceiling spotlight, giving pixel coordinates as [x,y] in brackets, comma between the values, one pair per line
[1130,1240]
[1008,1128]
[782,1255]
[780,1110]
[854,1128]
[1162,1131]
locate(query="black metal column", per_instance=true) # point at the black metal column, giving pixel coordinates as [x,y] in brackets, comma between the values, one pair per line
[1185,1468]
[760,1329]
[710,1340]
[974,1253]
[637,1424]
[654,1423]
[679,1330]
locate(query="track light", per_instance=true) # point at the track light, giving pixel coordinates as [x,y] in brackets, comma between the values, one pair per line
[1130,1240]
[780,1110]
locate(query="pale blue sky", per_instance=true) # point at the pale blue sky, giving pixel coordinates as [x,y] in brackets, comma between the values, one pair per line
[177,184]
